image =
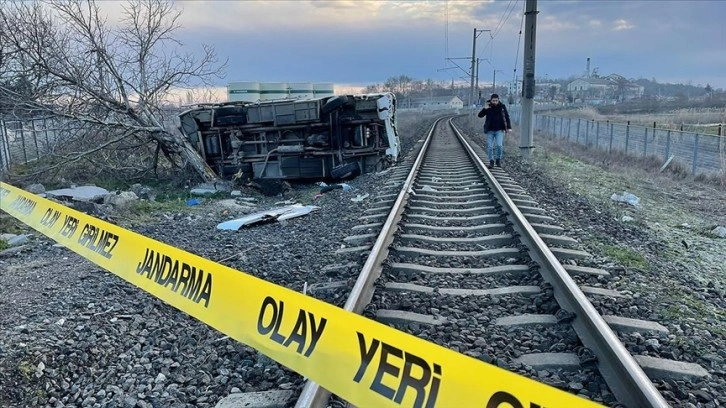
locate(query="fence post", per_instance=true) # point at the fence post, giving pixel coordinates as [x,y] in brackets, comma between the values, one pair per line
[695,156]
[47,140]
[554,126]
[22,140]
[668,144]
[551,119]
[35,138]
[720,126]
[587,134]
[577,135]
[645,142]
[597,135]
[3,136]
[627,136]
[562,130]
[569,127]
[611,138]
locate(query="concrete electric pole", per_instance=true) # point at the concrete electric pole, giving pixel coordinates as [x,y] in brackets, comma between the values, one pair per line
[530,30]
[473,64]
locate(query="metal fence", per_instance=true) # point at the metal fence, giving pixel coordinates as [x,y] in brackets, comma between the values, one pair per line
[702,153]
[24,141]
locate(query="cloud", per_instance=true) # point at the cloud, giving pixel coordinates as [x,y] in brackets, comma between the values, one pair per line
[554,23]
[258,16]
[621,24]
[359,41]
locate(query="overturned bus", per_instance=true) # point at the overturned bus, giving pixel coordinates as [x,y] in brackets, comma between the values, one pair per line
[333,137]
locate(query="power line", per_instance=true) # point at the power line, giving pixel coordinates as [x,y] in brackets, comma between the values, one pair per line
[508,13]
[502,21]
[446,35]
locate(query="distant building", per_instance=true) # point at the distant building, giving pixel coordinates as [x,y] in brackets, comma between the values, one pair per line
[437,103]
[590,85]
[612,87]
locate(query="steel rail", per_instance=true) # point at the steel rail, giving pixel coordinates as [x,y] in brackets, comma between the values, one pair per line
[622,373]
[313,395]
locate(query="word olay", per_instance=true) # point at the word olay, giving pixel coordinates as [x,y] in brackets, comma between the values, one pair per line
[270,320]
[360,360]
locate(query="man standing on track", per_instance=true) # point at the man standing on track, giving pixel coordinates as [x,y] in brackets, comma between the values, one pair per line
[496,124]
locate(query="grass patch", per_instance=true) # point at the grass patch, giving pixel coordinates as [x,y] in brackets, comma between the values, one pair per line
[690,306]
[146,206]
[9,224]
[26,369]
[3,244]
[626,256]
[141,212]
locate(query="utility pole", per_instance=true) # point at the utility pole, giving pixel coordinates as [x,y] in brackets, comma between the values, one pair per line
[478,92]
[526,143]
[473,64]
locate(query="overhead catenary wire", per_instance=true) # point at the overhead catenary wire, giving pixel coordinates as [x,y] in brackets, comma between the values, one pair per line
[446,33]
[505,16]
[509,9]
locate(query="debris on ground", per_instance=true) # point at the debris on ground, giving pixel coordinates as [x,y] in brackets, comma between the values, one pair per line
[720,231]
[359,198]
[324,187]
[143,192]
[122,199]
[81,193]
[236,206]
[13,240]
[35,188]
[207,189]
[627,198]
[274,214]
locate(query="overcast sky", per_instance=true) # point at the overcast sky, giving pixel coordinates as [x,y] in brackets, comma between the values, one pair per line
[364,42]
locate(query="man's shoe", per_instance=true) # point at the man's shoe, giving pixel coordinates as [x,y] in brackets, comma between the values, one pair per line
[499,163]
[491,164]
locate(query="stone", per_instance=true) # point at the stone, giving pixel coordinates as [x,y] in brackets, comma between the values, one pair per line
[18,240]
[82,193]
[720,231]
[36,188]
[122,199]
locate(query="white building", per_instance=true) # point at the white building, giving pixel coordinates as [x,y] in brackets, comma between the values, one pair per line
[590,85]
[613,86]
[437,103]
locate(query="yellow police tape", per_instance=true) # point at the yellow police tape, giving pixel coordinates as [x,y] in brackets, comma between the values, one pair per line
[365,362]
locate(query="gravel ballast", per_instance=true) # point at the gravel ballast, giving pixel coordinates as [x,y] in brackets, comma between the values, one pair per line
[72,334]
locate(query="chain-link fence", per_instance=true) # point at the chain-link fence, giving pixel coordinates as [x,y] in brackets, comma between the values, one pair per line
[702,153]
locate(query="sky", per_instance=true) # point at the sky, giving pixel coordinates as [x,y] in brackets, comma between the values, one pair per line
[358,43]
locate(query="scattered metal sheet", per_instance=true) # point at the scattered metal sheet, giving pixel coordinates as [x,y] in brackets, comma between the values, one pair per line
[297,211]
[279,214]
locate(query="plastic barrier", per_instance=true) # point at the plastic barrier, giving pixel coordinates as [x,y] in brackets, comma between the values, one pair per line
[363,361]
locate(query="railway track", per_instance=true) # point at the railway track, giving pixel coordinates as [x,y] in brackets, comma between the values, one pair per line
[460,255]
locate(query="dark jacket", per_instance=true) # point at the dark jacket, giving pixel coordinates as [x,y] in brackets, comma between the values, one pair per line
[497,118]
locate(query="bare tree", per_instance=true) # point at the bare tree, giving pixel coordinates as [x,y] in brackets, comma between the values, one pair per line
[112,82]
